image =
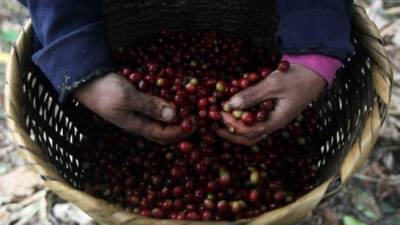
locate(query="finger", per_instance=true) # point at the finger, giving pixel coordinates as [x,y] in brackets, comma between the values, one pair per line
[281,116]
[253,95]
[153,130]
[238,139]
[166,134]
[153,106]
[237,127]
[233,125]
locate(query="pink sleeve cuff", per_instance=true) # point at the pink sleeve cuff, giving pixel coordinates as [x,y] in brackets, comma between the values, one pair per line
[325,66]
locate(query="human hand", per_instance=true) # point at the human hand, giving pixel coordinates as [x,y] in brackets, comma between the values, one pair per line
[292,91]
[116,100]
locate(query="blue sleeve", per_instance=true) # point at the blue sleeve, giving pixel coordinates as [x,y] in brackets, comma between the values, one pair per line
[315,26]
[74,47]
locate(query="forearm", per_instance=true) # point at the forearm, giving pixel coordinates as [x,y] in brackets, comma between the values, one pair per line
[74,44]
[315,34]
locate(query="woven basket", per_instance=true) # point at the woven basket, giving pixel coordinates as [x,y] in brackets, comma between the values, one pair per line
[350,112]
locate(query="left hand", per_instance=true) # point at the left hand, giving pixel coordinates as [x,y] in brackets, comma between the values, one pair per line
[115,99]
[292,91]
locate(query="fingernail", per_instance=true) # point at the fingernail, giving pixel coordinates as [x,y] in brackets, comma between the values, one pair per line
[236,102]
[167,113]
[264,136]
[231,130]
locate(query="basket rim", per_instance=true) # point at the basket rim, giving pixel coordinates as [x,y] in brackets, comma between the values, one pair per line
[355,158]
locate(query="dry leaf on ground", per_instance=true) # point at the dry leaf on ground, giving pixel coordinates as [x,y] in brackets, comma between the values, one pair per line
[330,217]
[18,183]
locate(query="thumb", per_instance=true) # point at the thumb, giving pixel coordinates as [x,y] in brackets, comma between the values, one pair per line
[252,95]
[152,106]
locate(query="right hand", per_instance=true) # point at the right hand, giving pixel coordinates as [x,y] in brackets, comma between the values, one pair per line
[293,92]
[116,100]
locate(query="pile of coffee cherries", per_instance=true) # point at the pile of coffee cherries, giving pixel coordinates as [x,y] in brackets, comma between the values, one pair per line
[203,177]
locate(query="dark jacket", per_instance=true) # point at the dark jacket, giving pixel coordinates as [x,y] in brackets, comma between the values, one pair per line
[73,46]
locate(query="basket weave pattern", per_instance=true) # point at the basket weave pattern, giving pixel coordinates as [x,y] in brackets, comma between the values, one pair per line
[350,112]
